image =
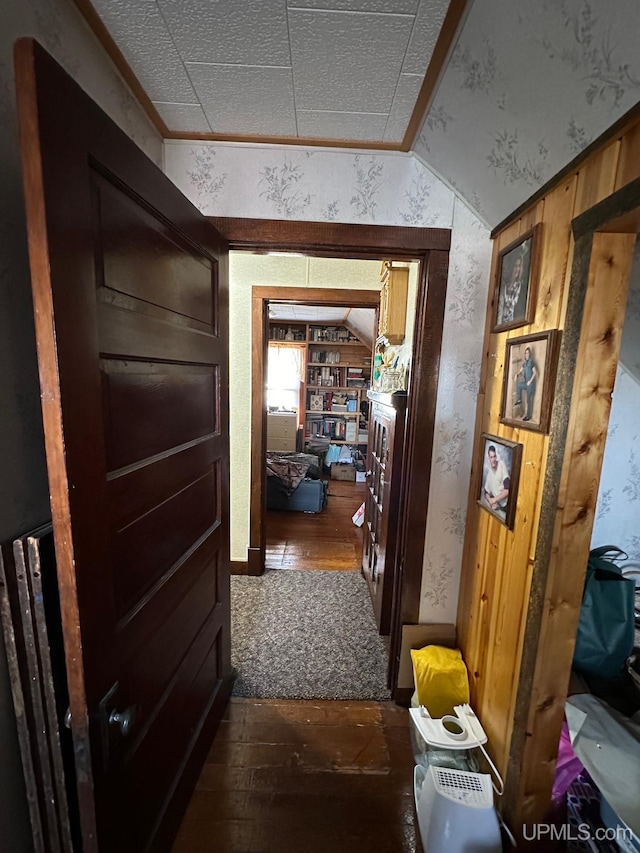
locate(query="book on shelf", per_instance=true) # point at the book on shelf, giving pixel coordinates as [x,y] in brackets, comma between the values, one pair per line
[324,356]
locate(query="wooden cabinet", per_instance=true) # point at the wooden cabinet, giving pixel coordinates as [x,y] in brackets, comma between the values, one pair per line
[282,429]
[393,302]
[381,522]
[337,374]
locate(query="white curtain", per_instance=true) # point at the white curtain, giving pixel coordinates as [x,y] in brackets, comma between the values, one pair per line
[284,374]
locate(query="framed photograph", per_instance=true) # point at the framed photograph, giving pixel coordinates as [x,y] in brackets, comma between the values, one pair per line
[501,461]
[316,402]
[516,281]
[529,380]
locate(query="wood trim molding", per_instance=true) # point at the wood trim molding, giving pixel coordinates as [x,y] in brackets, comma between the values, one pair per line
[239,567]
[255,561]
[331,239]
[421,418]
[105,38]
[451,26]
[320,296]
[309,141]
[258,494]
[402,696]
[416,463]
[617,213]
[260,297]
[446,39]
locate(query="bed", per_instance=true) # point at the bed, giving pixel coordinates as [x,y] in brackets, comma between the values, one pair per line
[294,484]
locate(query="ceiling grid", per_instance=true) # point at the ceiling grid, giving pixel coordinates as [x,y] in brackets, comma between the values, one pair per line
[314,69]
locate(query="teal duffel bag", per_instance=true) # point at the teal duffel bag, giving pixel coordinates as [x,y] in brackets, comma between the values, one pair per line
[606,627]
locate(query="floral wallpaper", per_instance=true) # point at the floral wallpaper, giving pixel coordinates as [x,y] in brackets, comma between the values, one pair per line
[529,86]
[457,391]
[383,188]
[280,182]
[617,520]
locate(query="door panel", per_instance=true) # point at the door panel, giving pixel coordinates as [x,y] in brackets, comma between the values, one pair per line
[130,296]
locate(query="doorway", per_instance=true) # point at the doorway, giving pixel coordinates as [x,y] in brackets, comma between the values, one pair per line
[430,248]
[605,238]
[318,369]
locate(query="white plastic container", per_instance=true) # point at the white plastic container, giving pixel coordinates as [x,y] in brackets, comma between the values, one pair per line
[455,811]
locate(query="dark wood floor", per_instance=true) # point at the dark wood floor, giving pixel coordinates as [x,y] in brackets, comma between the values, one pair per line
[318,776]
[325,540]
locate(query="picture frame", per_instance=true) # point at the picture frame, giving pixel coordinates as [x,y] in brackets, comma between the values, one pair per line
[316,403]
[500,471]
[528,385]
[517,281]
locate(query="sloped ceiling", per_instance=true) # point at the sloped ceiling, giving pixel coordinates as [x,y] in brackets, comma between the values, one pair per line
[361,321]
[526,87]
[307,313]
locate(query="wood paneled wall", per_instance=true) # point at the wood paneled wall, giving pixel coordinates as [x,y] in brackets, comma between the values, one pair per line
[520,595]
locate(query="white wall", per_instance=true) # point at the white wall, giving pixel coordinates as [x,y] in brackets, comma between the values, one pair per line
[24,503]
[282,182]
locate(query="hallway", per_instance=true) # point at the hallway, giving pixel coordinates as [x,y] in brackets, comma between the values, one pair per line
[313,776]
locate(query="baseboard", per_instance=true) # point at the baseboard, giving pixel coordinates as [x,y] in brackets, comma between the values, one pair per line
[239,567]
[402,696]
[255,561]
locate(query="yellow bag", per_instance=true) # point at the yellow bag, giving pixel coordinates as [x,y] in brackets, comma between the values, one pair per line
[441,679]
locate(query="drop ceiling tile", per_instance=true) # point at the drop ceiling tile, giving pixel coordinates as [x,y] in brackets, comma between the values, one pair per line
[142,36]
[242,32]
[334,125]
[237,99]
[189,118]
[425,34]
[398,7]
[403,103]
[348,61]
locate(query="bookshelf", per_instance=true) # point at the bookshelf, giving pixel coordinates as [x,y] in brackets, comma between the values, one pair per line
[337,374]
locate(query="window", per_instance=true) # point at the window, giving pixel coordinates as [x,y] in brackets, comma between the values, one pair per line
[284,374]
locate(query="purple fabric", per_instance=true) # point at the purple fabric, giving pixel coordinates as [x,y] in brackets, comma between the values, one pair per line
[568,766]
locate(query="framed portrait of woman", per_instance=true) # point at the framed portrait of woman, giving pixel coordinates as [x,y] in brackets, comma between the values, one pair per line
[531,363]
[516,281]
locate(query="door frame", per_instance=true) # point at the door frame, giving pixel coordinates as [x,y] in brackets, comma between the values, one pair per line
[604,237]
[260,299]
[430,247]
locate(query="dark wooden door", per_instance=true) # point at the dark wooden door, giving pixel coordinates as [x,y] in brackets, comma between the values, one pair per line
[382,501]
[130,292]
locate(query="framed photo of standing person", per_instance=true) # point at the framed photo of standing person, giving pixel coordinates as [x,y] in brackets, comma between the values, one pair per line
[501,461]
[516,281]
[530,366]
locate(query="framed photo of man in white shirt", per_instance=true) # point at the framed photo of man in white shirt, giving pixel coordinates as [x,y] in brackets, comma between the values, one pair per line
[501,461]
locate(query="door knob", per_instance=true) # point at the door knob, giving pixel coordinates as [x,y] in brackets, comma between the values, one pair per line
[123,720]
